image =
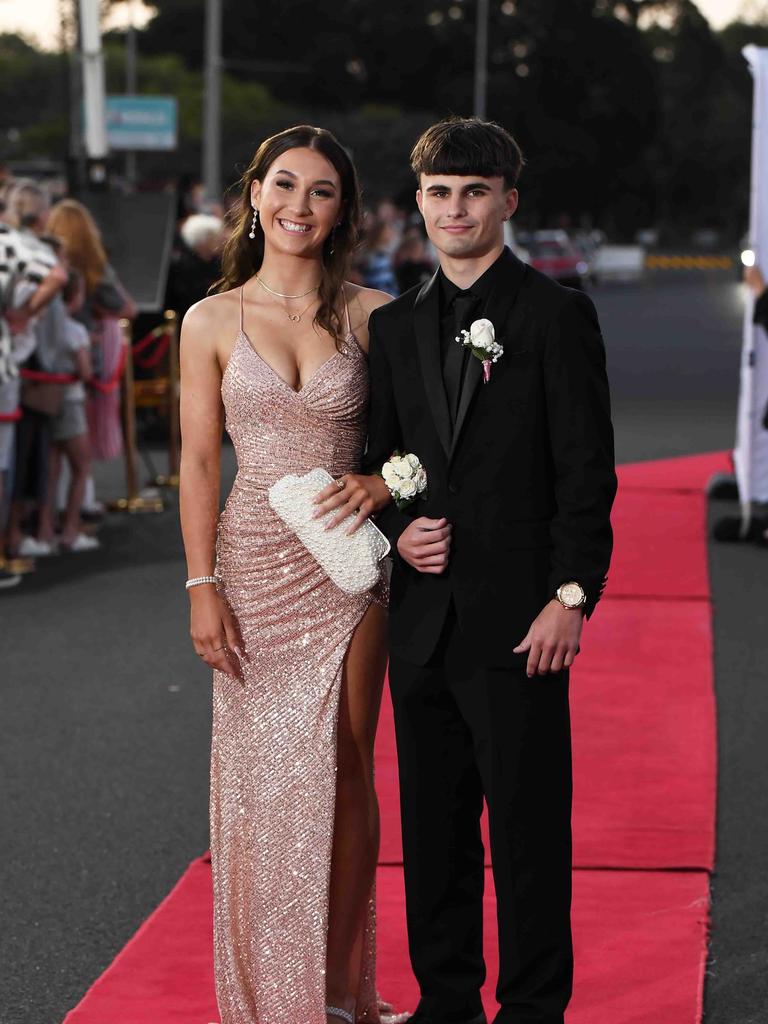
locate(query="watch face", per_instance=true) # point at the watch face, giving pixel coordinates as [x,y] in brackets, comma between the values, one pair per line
[571,594]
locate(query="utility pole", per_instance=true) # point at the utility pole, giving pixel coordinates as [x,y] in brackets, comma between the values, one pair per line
[212,103]
[481,59]
[130,86]
[94,108]
[76,170]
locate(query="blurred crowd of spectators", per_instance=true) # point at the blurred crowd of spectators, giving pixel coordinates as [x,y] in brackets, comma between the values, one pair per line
[394,253]
[60,349]
[62,358]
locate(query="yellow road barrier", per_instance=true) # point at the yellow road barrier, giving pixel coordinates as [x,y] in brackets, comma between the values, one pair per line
[656,261]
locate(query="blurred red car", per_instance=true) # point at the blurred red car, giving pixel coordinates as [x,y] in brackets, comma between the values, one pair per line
[553,253]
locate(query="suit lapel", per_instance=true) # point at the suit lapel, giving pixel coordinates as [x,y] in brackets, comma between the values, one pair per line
[426,316]
[497,309]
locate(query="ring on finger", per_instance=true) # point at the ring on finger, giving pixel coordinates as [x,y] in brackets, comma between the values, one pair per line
[340,484]
[222,648]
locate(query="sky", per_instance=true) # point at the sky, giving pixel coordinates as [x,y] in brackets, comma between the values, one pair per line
[38,19]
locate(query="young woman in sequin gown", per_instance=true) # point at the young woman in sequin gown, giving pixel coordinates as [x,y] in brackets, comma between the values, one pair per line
[298,664]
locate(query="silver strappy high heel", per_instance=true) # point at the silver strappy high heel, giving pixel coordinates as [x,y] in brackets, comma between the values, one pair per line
[336,1011]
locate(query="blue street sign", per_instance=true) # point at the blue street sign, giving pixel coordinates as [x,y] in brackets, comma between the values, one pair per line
[141,122]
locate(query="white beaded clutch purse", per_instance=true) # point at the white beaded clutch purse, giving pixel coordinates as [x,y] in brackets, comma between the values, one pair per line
[352,562]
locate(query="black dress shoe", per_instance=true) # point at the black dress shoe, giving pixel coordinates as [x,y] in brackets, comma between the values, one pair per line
[421,1018]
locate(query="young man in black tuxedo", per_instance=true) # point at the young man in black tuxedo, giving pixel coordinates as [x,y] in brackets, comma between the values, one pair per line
[495,567]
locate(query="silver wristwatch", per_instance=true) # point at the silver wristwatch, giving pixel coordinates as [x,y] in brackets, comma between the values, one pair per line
[571,595]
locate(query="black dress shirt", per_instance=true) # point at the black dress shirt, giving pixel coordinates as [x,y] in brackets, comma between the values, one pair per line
[458,308]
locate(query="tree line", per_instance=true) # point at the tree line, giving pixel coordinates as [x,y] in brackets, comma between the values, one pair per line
[631,113]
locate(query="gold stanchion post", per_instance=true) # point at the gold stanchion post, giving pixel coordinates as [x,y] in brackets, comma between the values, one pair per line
[133,501]
[174,435]
[173,376]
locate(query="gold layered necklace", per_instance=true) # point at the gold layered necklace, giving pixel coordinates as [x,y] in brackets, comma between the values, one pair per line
[295,318]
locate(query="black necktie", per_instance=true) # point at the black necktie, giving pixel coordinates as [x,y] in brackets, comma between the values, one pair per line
[464,304]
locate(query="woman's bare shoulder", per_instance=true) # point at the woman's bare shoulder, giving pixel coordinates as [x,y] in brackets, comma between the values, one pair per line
[362,302]
[213,318]
[367,299]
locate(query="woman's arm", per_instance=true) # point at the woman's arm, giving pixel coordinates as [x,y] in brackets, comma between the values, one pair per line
[84,365]
[214,631]
[50,286]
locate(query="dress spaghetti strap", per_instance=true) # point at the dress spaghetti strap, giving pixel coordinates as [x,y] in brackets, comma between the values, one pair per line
[346,311]
[241,308]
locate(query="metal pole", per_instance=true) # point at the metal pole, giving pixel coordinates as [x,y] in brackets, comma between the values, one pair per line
[212,102]
[172,323]
[95,128]
[133,501]
[76,132]
[130,87]
[481,59]
[129,419]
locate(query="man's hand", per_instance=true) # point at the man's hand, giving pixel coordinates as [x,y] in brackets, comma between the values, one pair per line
[426,544]
[552,641]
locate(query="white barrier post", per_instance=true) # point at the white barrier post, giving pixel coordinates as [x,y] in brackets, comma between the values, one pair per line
[751,452]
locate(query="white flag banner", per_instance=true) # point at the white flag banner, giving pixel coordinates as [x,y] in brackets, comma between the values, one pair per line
[751,453]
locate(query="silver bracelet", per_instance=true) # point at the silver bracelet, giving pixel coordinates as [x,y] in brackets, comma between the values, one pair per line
[197,581]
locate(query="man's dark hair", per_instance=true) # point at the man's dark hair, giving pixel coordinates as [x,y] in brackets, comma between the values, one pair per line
[465,146]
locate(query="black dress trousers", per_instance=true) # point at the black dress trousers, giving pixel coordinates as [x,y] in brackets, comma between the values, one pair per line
[465,733]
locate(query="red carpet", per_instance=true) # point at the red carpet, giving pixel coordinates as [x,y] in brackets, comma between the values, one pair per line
[660,548]
[644,737]
[644,766]
[165,974]
[690,473]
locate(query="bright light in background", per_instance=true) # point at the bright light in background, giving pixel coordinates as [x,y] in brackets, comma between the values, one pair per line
[720,12]
[748,258]
[39,20]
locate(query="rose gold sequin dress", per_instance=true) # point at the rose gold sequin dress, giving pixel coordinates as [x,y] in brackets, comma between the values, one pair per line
[273,758]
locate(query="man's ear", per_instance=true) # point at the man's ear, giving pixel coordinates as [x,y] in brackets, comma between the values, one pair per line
[510,204]
[420,201]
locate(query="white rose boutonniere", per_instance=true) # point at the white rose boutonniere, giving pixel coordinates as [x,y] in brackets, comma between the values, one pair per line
[405,477]
[481,340]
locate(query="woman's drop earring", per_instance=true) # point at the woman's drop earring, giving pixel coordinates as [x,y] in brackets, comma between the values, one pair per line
[333,239]
[252,232]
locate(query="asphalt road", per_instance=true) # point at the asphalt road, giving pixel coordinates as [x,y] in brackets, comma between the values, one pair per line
[105,710]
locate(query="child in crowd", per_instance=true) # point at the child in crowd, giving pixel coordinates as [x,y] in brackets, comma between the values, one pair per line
[70,434]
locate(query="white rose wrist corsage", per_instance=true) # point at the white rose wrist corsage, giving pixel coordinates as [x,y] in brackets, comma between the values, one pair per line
[405,477]
[481,339]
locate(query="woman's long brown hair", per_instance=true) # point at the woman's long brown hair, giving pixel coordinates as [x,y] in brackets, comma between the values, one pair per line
[242,256]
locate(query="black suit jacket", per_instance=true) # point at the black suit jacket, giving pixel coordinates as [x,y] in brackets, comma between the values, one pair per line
[526,477]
